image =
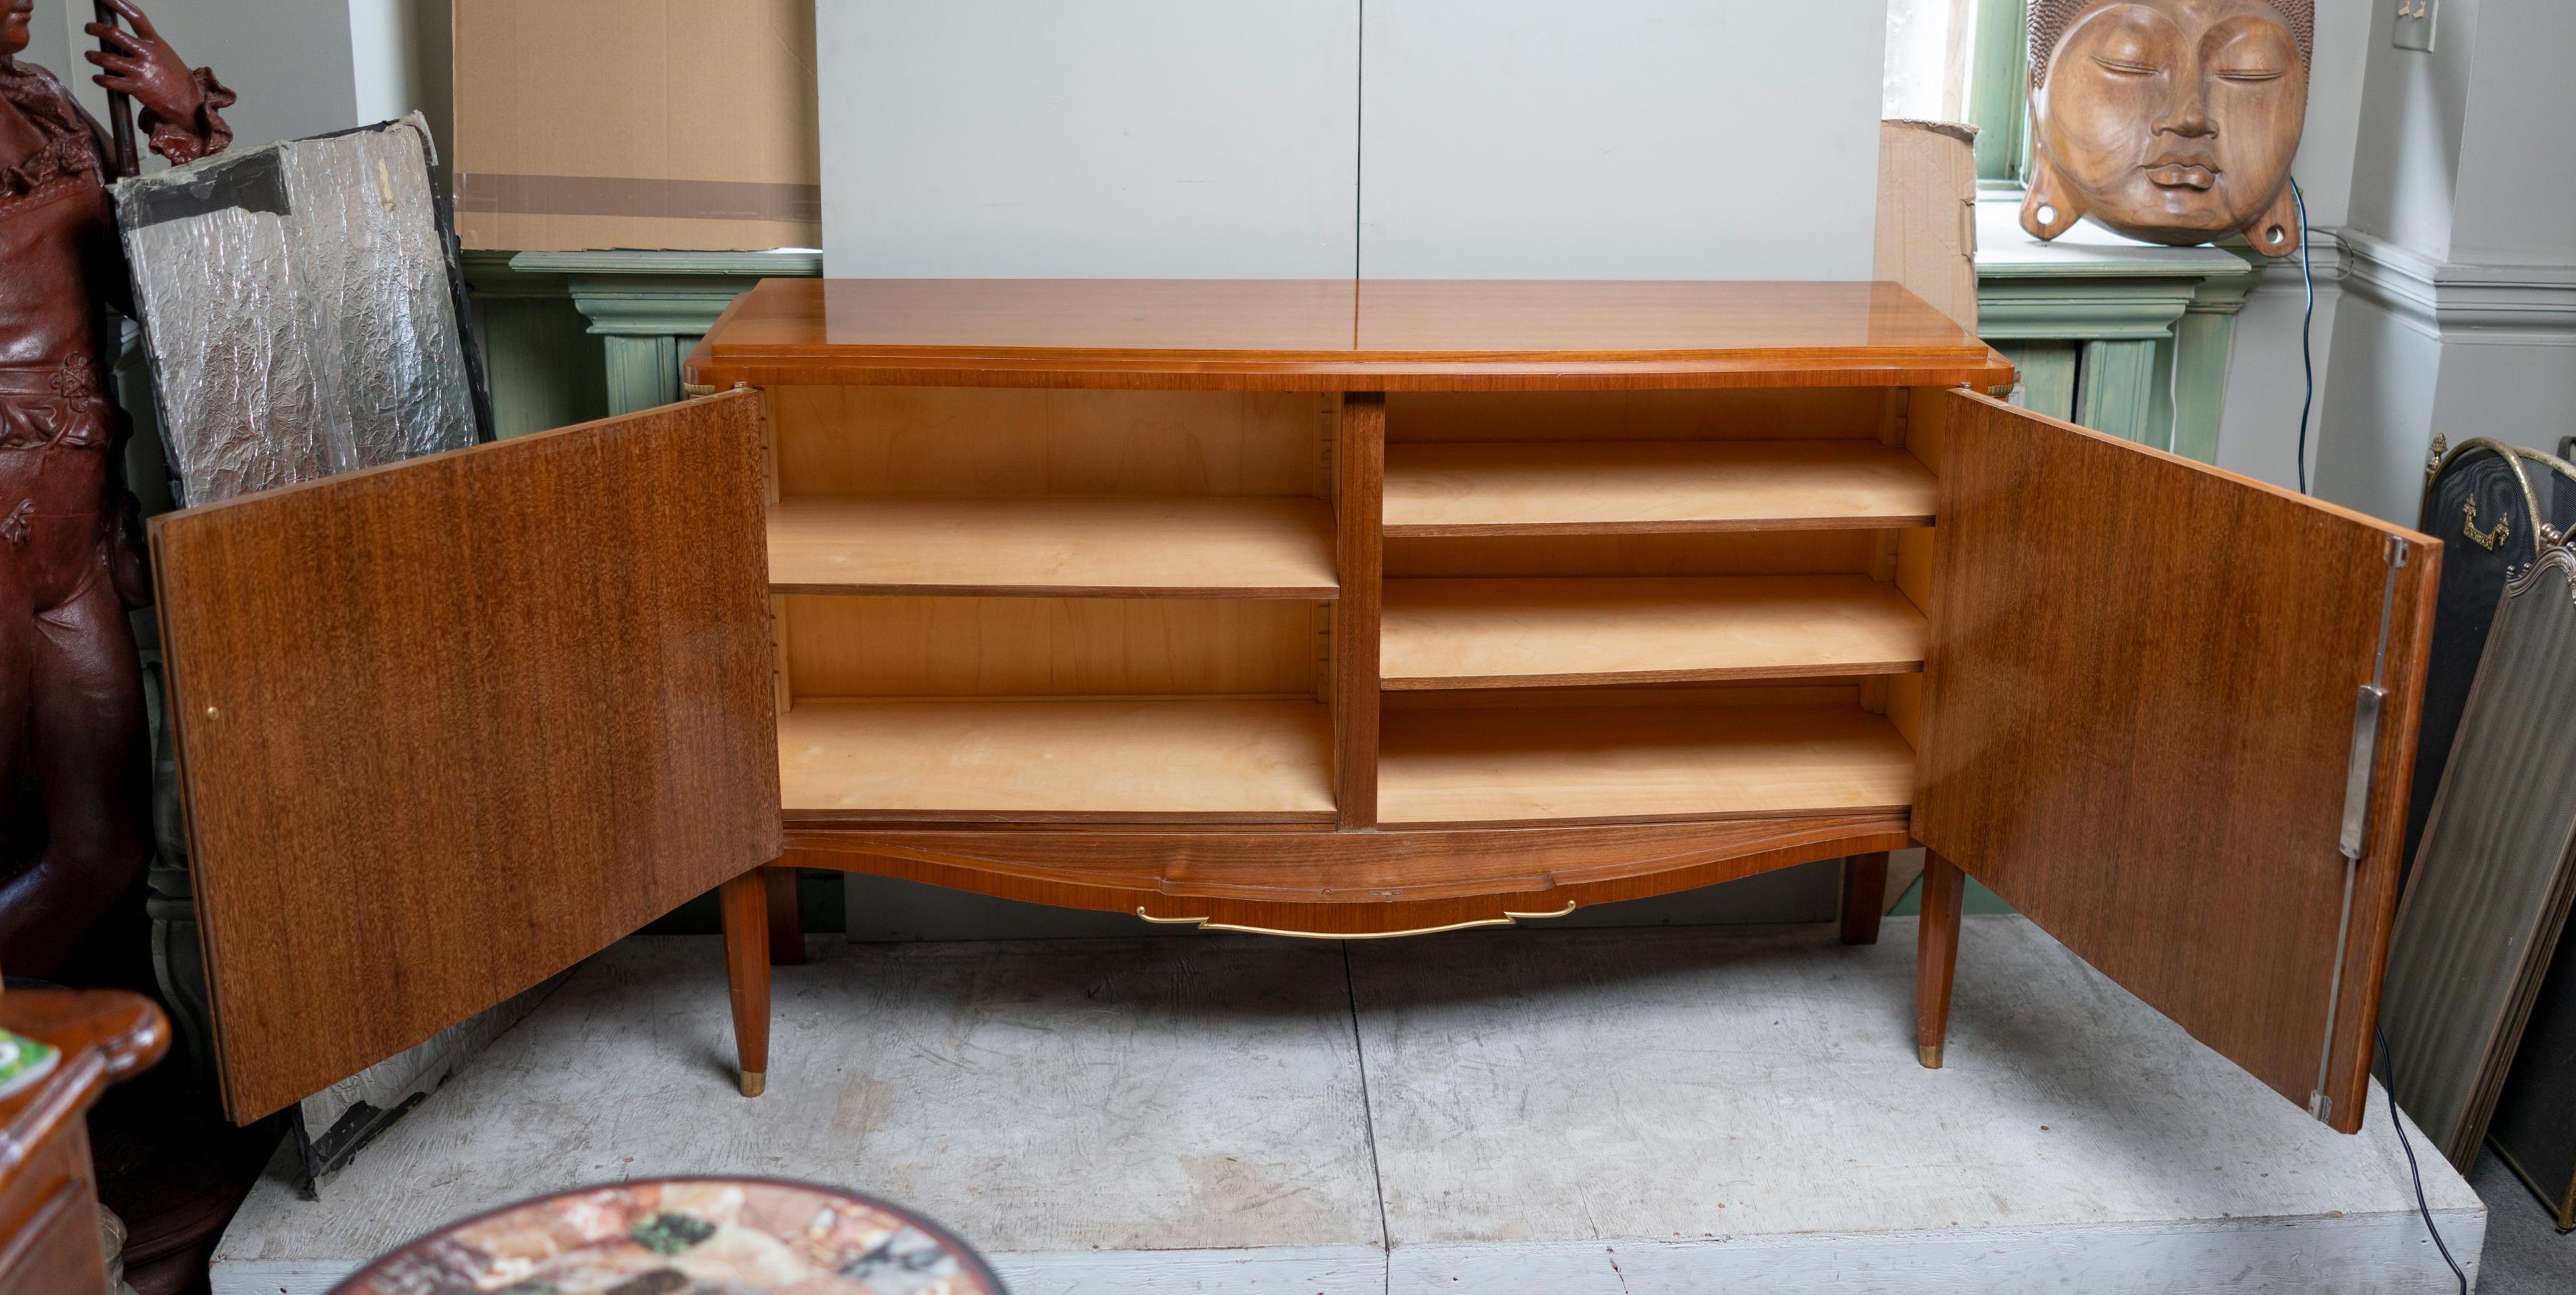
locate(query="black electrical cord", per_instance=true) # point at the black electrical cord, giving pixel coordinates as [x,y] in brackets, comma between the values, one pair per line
[2421,1205]
[2307,352]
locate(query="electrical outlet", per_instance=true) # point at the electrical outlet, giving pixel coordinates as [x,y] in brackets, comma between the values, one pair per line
[2414,29]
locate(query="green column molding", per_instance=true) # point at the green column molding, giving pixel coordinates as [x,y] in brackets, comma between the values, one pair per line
[1999,92]
[649,308]
[545,369]
[2047,374]
[2117,390]
[2120,337]
[2203,340]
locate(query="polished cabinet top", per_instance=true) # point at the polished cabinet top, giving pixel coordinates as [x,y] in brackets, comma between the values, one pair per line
[1338,334]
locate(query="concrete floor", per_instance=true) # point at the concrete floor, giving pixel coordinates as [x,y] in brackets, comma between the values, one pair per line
[2525,1253]
[1615,1111]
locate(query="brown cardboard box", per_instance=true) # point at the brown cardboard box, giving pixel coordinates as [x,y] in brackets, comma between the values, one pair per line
[586,124]
[1927,213]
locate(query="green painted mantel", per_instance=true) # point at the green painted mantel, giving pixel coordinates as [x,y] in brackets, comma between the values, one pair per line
[2119,336]
[572,336]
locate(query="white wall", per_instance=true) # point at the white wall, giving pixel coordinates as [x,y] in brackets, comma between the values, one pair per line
[2411,120]
[2258,431]
[401,60]
[289,60]
[2515,201]
[49,44]
[1292,138]
[2459,317]
[1114,138]
[1620,139]
[301,67]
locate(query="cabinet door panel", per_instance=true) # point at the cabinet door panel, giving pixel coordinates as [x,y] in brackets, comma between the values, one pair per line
[2139,722]
[447,727]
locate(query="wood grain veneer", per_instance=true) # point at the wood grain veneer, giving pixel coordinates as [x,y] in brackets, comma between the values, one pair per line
[1533,633]
[743,906]
[1336,335]
[455,724]
[1864,897]
[1722,553]
[1936,954]
[887,646]
[1632,764]
[1651,487]
[1359,480]
[1342,882]
[1759,413]
[1219,547]
[1049,760]
[2138,709]
[990,441]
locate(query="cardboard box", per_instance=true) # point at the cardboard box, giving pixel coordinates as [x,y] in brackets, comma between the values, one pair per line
[1927,213]
[589,124]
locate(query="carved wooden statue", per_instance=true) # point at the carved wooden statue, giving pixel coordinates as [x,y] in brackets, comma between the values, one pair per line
[2172,121]
[72,728]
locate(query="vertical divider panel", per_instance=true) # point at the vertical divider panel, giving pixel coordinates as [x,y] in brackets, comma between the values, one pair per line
[1359,513]
[784,682]
[1923,423]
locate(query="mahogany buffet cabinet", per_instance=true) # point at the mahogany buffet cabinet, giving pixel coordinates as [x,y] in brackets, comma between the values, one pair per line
[1332,608]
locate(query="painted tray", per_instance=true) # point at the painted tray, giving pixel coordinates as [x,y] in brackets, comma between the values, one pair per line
[686,1236]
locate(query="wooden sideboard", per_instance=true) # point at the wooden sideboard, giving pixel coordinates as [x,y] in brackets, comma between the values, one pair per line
[1309,608]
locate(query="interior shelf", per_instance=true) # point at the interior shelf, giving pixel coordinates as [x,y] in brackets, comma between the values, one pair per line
[1638,763]
[1491,633]
[1236,760]
[1206,547]
[1651,487]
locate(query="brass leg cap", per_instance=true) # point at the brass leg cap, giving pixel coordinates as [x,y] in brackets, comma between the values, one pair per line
[754,1082]
[1930,1053]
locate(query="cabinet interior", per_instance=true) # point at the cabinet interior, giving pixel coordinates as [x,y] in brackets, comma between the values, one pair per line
[1032,604]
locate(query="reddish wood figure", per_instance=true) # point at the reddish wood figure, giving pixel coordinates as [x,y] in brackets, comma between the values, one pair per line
[71,693]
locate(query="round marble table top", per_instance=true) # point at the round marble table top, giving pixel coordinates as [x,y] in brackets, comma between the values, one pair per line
[685,1236]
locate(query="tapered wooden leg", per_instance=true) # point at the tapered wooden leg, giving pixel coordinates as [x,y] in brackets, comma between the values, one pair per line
[1937,954]
[1864,896]
[786,924]
[745,901]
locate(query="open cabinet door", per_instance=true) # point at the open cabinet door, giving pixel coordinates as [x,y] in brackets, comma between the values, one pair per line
[2144,705]
[448,727]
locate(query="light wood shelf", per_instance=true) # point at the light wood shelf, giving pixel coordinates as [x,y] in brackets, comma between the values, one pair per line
[1651,487]
[1218,759]
[1198,547]
[1492,633]
[1637,764]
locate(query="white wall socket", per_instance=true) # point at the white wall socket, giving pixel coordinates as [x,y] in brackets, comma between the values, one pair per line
[2414,29]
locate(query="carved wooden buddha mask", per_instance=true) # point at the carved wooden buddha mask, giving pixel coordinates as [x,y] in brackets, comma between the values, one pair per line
[2172,121]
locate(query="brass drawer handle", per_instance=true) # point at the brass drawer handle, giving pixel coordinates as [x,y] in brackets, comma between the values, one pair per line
[1204,924]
